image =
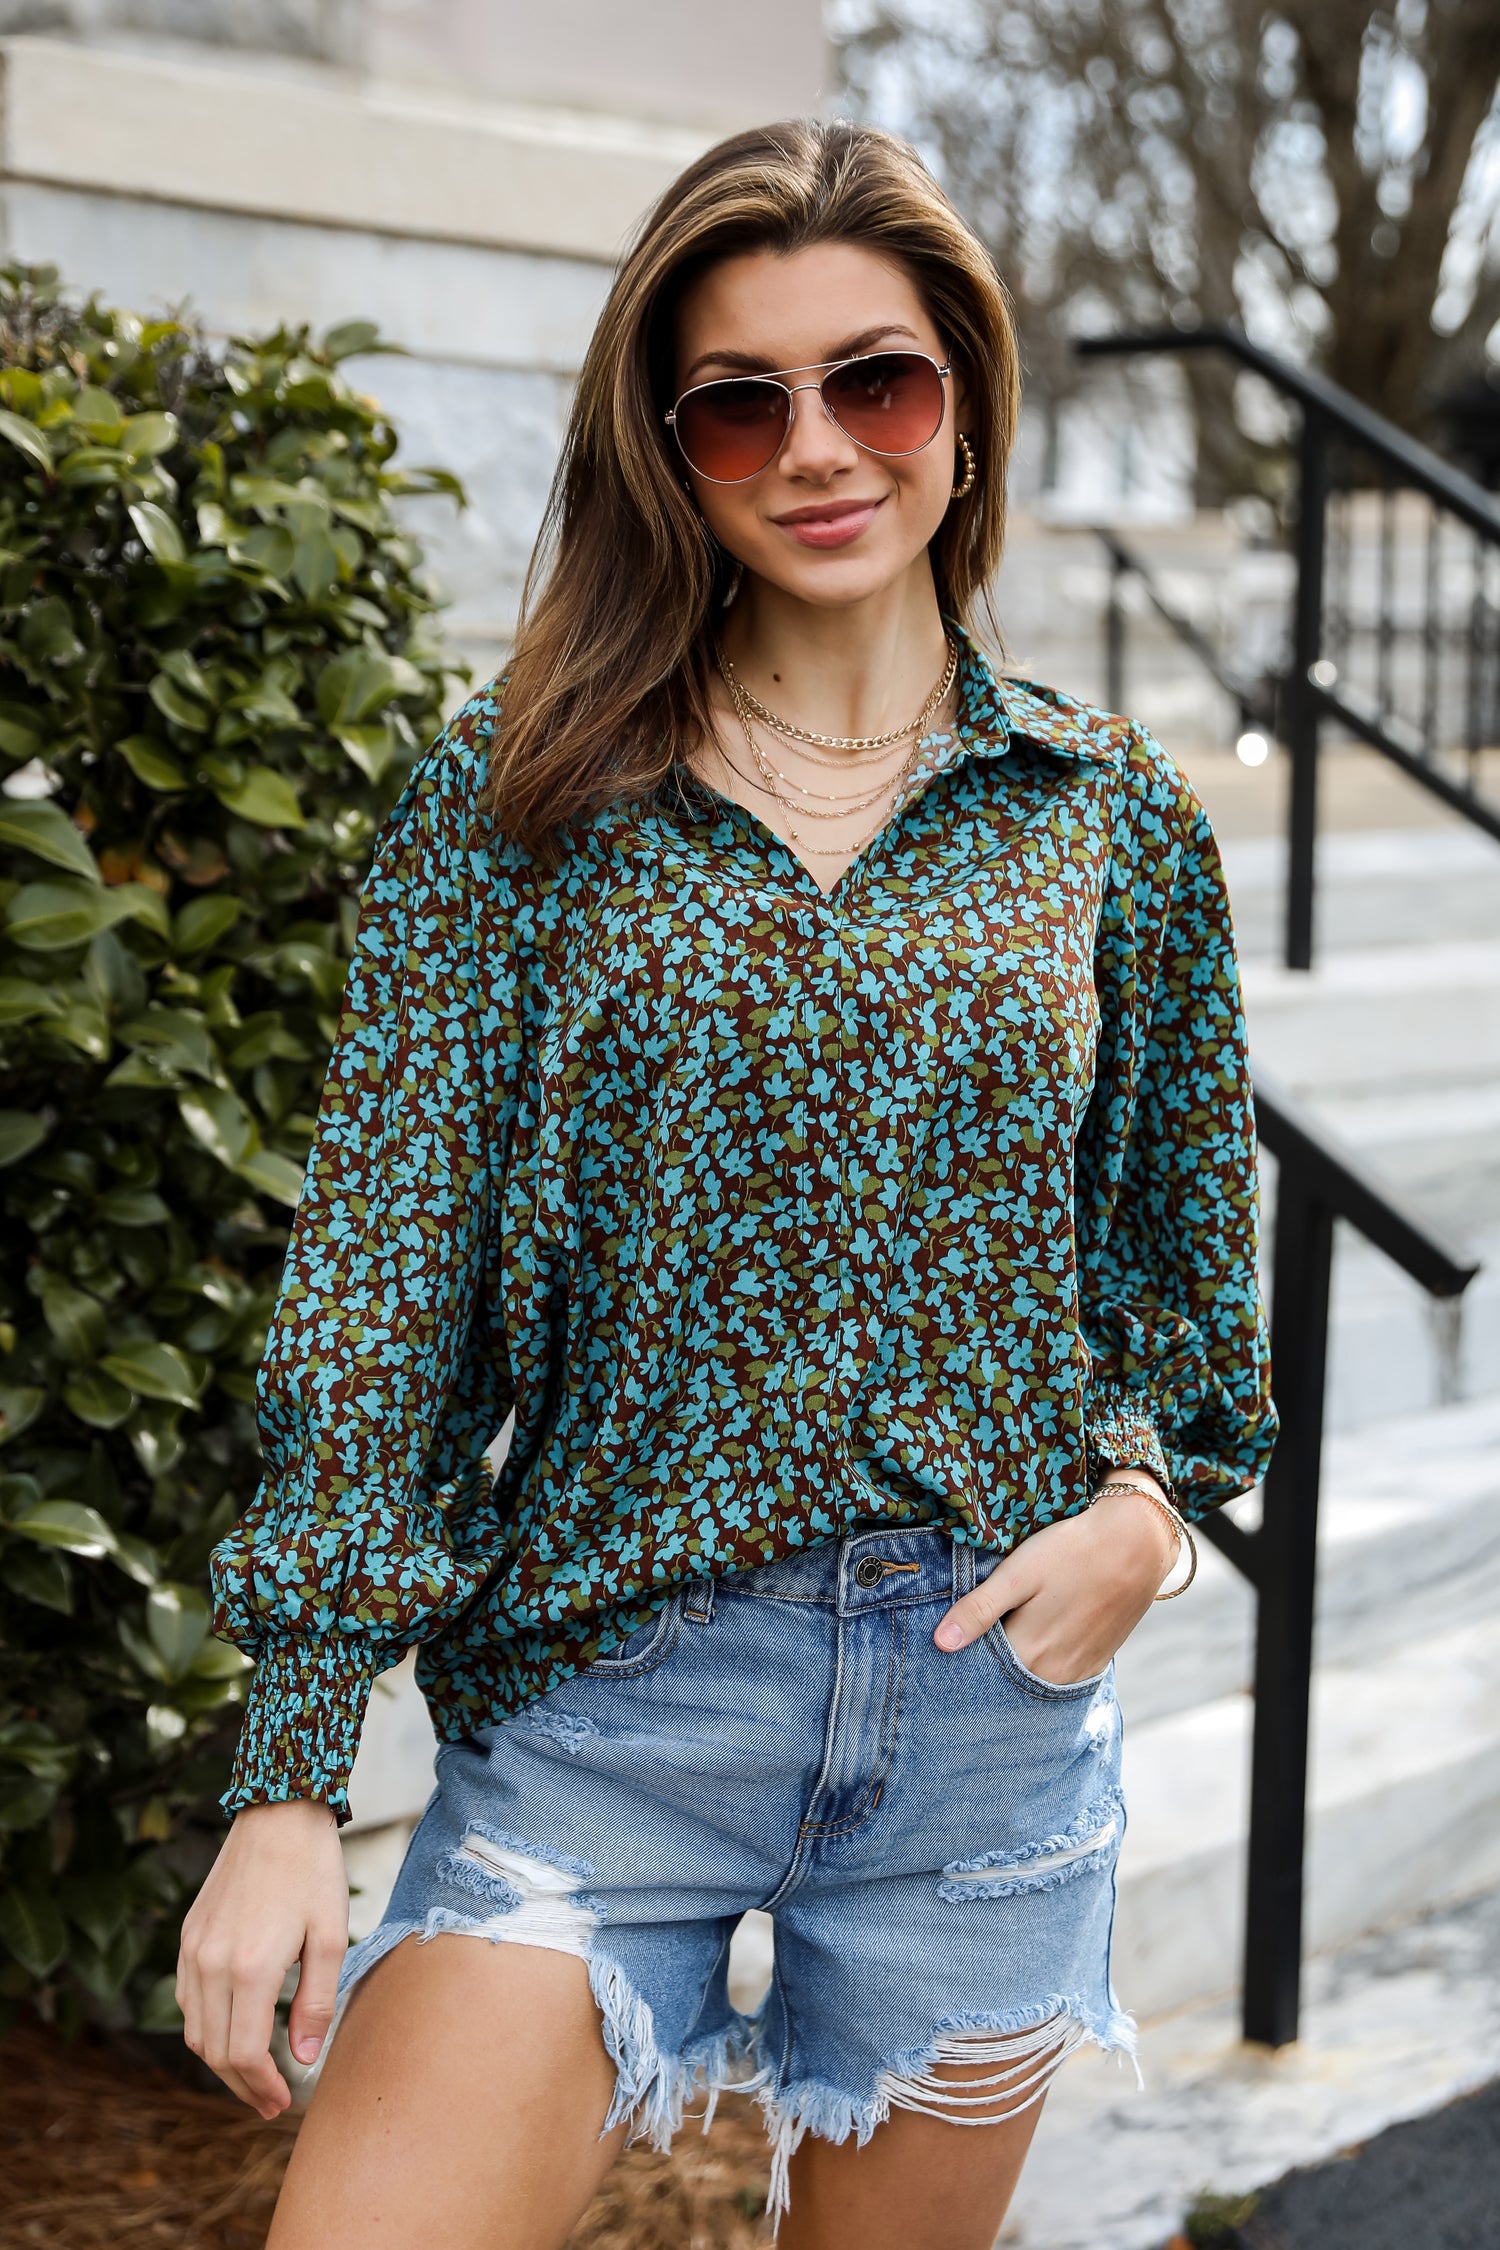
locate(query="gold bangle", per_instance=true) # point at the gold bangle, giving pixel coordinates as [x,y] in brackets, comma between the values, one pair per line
[1179,1525]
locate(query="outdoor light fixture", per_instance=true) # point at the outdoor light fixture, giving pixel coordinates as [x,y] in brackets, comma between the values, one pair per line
[1252,749]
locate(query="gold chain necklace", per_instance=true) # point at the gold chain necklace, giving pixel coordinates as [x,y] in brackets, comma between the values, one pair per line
[768,764]
[844,803]
[822,851]
[845,742]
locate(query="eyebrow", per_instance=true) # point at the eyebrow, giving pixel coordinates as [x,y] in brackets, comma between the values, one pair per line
[754,363]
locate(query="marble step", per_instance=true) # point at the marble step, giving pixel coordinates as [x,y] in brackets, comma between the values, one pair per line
[1404,1812]
[1378,1020]
[1395,1350]
[1408,1542]
[1375,887]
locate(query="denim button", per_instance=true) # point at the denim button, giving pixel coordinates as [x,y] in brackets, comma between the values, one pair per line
[867,1571]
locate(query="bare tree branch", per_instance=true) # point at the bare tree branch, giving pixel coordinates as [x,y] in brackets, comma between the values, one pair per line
[1298,167]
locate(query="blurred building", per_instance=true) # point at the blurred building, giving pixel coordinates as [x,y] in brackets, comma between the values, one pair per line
[463,172]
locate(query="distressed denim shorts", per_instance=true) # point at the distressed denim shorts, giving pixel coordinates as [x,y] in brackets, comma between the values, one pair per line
[934,1836]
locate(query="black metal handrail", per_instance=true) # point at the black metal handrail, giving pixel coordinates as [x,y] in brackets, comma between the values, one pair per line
[1326,629]
[1317,1183]
[1254,699]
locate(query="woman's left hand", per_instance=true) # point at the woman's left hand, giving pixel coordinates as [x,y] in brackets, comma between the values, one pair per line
[1070,1595]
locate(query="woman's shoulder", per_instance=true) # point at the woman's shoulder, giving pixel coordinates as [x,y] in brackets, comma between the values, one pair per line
[1156,798]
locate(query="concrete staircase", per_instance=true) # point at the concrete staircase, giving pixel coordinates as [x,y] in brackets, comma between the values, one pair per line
[1405,1785]
[1393,1041]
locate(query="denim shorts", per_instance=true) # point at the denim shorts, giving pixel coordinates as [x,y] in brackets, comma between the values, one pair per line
[934,1836]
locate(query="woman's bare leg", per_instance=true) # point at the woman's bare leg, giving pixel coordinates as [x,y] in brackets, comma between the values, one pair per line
[459,2108]
[919,2183]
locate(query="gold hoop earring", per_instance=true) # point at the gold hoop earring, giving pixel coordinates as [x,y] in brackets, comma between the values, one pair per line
[962,489]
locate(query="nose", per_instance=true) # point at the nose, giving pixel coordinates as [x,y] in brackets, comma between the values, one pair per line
[814,446]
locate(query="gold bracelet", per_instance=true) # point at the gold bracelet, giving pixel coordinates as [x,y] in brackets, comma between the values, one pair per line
[1179,1525]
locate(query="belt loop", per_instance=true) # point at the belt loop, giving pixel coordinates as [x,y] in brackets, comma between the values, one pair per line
[699,1605]
[963,1570]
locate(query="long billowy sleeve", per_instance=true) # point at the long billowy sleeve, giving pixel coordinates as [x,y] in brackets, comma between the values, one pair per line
[1166,1186]
[346,1556]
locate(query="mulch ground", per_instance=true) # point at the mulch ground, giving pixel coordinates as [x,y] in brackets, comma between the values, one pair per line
[102,2152]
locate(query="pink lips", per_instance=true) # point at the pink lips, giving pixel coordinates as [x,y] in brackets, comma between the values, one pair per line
[834,526]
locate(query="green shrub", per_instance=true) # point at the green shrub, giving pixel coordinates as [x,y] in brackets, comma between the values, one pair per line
[217,661]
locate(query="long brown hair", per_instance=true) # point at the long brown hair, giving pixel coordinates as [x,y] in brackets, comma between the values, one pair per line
[608,681]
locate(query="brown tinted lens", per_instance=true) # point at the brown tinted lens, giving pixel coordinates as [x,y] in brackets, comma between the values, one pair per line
[730,431]
[891,402]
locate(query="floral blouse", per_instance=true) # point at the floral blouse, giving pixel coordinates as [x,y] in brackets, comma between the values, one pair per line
[764,1212]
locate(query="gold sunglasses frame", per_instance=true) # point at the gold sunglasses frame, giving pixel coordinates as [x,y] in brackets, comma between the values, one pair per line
[831,367]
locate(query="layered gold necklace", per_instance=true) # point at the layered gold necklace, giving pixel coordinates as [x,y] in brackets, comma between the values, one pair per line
[857,749]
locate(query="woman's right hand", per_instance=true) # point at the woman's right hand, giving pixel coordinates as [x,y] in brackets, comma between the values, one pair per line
[277,1893]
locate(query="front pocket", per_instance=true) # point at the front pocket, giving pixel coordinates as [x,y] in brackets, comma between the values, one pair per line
[1032,1683]
[650,1644]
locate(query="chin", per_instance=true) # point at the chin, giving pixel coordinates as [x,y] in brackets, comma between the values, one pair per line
[836,581]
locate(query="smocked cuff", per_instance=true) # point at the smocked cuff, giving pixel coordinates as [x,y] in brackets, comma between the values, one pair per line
[1122,1434]
[303,1716]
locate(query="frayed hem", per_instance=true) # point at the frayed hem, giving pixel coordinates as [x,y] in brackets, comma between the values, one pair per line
[651,2089]
[1043,2035]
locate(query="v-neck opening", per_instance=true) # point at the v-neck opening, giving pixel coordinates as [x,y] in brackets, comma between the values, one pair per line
[866,851]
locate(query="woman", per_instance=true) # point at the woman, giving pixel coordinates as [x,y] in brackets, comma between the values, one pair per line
[801,1074]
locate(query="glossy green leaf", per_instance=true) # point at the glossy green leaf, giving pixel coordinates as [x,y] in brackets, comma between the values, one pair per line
[82,1023]
[148,435]
[137,1558]
[68,1524]
[96,1398]
[20,1133]
[150,763]
[160,536]
[100,413]
[155,1370]
[274,1174]
[156,1440]
[179,1036]
[220,1120]
[350,337]
[220,1660]
[177,1620]
[132,1207]
[203,922]
[77,1319]
[45,829]
[266,798]
[17,1493]
[38,1574]
[176,704]
[26,438]
[22,1000]
[32,1929]
[47,633]
[370,748]
[20,1404]
[315,562]
[269,547]
[54,916]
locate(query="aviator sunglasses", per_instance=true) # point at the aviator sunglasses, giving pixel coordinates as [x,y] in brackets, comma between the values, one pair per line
[888,402]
